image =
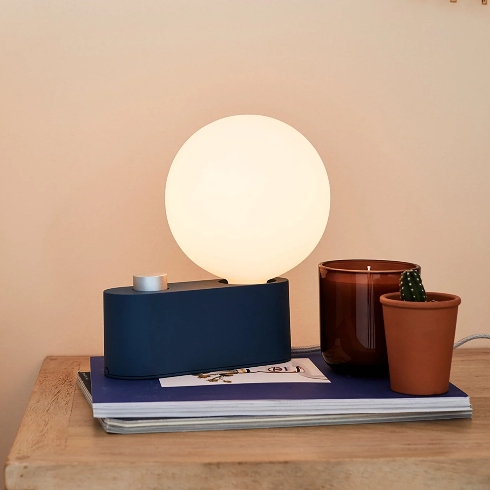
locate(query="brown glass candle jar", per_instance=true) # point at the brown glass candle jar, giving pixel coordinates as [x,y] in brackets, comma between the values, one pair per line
[352,336]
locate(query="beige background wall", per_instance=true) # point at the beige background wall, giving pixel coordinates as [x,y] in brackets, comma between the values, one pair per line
[97,97]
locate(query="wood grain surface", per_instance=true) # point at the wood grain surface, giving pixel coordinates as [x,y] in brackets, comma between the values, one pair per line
[59,445]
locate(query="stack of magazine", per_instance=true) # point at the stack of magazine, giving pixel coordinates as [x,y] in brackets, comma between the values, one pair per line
[302,392]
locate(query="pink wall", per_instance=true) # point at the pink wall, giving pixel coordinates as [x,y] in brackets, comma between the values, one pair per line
[97,97]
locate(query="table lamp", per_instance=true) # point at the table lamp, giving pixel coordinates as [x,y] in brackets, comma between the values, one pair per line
[247,199]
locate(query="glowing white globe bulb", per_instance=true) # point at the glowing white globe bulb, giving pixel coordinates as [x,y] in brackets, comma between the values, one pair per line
[247,198]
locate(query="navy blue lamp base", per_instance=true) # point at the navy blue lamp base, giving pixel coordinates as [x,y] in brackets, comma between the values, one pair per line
[194,327]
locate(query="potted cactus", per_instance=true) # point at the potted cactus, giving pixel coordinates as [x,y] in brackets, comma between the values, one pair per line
[420,329]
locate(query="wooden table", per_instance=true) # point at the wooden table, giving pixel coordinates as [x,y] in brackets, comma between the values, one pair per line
[60,446]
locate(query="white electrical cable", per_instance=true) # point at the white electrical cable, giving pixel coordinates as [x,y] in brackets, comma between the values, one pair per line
[305,350]
[313,348]
[459,343]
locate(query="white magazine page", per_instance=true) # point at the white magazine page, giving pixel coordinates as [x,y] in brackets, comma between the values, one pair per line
[298,370]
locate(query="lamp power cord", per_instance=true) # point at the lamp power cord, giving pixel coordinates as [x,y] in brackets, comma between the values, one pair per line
[459,343]
[314,348]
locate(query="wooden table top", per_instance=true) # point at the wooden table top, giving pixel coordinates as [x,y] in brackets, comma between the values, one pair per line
[59,445]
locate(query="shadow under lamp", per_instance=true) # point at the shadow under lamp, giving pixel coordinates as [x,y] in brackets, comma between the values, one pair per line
[247,199]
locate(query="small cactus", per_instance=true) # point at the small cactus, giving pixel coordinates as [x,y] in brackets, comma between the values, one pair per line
[411,287]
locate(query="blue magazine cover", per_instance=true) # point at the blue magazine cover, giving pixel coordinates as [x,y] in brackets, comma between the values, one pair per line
[344,394]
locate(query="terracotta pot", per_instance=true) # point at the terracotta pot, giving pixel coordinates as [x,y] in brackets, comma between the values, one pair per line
[419,341]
